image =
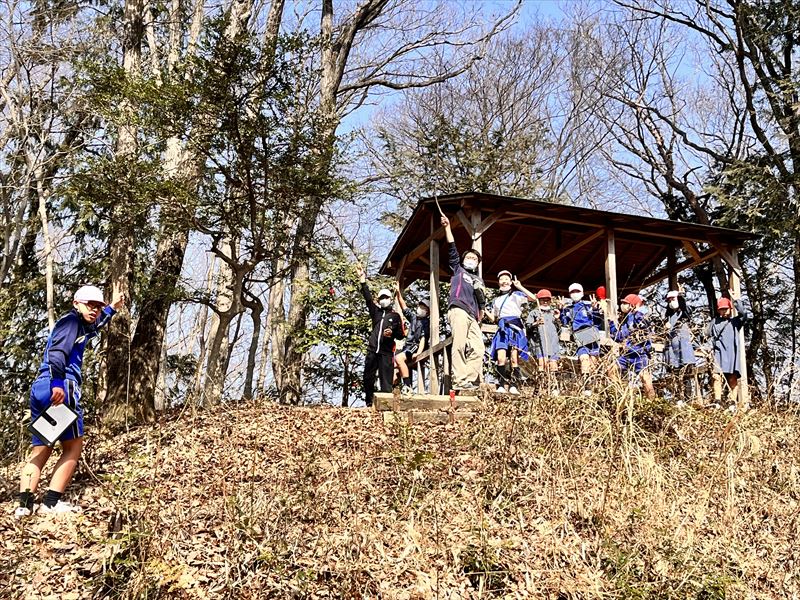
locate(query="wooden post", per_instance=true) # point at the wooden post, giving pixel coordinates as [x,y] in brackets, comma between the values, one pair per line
[434,300]
[672,273]
[611,275]
[477,240]
[736,287]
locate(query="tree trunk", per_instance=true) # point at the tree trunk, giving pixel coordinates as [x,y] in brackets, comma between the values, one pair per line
[228,305]
[148,341]
[256,310]
[49,252]
[122,239]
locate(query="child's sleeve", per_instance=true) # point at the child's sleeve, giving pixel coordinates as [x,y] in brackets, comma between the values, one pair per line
[564,316]
[743,314]
[62,341]
[105,316]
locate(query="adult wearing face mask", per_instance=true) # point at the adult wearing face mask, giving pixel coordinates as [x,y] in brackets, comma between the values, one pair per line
[633,332]
[679,353]
[467,301]
[387,326]
[584,320]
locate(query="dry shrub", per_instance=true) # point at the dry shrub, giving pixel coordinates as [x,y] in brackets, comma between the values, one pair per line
[611,496]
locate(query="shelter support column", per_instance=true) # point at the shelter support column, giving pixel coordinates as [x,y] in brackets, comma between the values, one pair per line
[477,239]
[672,271]
[611,274]
[434,300]
[736,288]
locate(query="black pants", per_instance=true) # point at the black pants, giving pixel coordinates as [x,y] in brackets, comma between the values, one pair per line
[384,366]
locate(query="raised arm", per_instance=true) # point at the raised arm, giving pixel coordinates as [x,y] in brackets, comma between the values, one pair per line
[399,294]
[518,284]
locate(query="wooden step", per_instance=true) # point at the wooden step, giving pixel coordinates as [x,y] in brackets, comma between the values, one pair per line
[385,401]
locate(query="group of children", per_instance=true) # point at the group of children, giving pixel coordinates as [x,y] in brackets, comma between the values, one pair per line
[518,337]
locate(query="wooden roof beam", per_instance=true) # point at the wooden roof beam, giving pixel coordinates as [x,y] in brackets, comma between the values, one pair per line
[587,240]
[682,266]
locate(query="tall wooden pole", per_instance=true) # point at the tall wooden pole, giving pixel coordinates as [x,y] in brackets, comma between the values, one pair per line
[434,300]
[736,288]
[611,275]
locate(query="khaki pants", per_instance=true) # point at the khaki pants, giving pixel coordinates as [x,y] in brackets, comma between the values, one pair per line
[467,352]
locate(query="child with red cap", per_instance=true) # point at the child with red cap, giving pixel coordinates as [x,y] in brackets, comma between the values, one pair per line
[542,326]
[634,334]
[59,382]
[723,337]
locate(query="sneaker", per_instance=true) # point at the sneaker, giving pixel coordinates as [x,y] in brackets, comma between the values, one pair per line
[60,508]
[23,511]
[500,390]
[406,391]
[513,390]
[467,386]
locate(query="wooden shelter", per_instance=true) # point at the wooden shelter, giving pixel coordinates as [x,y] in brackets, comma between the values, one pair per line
[552,245]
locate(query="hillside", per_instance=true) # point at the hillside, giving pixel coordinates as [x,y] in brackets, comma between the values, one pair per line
[541,498]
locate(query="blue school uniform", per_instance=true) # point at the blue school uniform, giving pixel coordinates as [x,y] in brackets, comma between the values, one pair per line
[724,340]
[61,367]
[634,333]
[510,329]
[581,317]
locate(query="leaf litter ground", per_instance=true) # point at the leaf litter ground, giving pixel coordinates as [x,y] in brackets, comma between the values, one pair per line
[611,497]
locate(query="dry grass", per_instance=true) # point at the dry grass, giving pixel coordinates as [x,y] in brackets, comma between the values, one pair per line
[610,497]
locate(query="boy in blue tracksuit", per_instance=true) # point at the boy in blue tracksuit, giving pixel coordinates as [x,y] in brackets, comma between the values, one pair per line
[584,319]
[59,382]
[634,333]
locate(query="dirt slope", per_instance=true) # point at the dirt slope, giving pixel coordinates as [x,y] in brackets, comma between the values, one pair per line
[540,498]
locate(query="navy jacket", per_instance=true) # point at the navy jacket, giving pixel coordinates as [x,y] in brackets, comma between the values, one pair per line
[382,318]
[467,290]
[63,354]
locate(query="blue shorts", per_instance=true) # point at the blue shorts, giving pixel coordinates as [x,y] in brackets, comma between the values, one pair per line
[592,349]
[637,362]
[40,401]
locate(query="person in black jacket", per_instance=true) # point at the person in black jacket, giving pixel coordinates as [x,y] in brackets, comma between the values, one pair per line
[387,326]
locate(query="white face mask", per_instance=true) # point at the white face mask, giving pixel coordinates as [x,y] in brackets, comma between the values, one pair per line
[421,312]
[546,307]
[576,296]
[625,307]
[673,304]
[470,264]
[505,287]
[384,302]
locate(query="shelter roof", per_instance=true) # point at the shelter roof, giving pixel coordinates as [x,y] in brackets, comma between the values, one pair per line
[551,245]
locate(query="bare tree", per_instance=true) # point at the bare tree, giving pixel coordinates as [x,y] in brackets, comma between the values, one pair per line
[381,44]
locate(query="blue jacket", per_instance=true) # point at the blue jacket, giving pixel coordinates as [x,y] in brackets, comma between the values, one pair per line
[63,354]
[467,290]
[634,331]
[419,328]
[580,315]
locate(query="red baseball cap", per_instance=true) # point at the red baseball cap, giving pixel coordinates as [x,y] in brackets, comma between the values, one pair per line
[543,294]
[632,299]
[724,303]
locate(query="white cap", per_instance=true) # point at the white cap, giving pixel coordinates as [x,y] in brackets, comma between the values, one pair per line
[89,293]
[672,294]
[575,287]
[384,292]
